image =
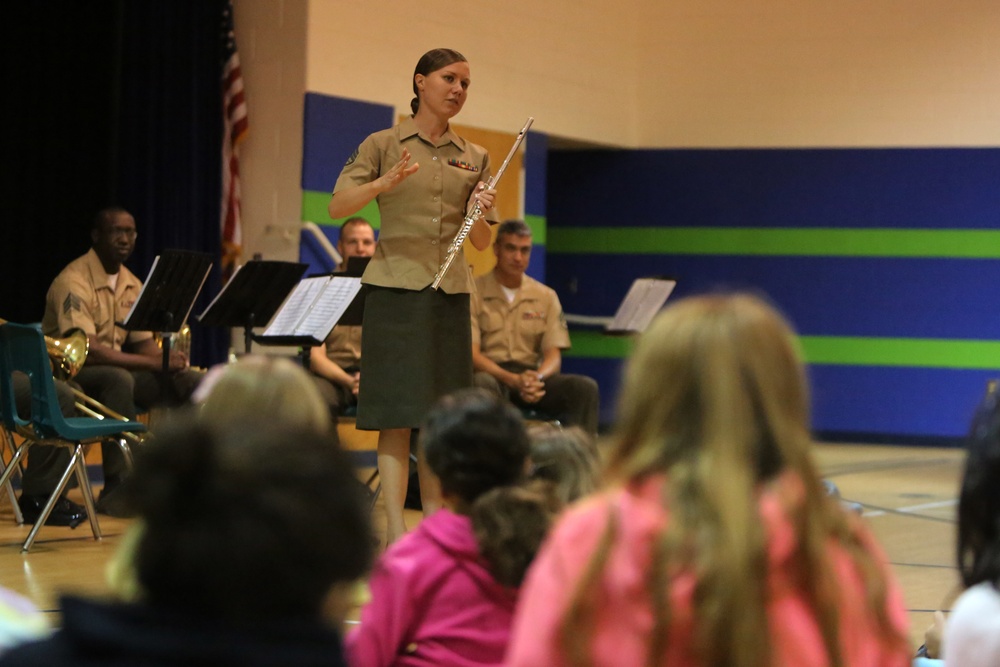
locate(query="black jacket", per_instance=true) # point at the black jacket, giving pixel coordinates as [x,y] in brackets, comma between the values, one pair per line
[117,635]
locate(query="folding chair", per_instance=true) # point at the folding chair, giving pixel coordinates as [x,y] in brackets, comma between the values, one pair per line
[8,445]
[22,348]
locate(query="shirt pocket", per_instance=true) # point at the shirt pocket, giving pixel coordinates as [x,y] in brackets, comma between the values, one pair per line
[533,324]
[490,322]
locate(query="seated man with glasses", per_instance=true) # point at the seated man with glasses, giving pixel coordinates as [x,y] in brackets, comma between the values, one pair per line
[95,293]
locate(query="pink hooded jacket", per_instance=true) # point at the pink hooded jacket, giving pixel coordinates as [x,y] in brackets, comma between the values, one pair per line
[434,602]
[624,620]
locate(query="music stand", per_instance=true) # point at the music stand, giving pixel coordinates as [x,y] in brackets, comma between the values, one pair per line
[355,312]
[167,296]
[252,296]
[643,301]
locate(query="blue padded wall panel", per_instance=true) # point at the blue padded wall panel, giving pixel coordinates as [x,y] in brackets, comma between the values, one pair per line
[907,188]
[333,129]
[830,296]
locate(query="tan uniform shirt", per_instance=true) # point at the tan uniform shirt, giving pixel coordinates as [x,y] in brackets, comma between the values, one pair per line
[421,215]
[518,331]
[343,346]
[81,297]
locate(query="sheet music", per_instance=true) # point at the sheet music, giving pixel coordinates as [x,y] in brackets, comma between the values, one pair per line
[329,307]
[314,306]
[295,307]
[644,300]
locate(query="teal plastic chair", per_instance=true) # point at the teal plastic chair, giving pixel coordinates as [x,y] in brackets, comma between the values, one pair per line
[22,349]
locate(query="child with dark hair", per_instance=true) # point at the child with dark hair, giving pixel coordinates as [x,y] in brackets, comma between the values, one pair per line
[250,535]
[444,594]
[567,459]
[972,635]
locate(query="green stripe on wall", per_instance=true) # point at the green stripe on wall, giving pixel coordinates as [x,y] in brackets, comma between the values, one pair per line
[968,243]
[538,228]
[839,350]
[314,210]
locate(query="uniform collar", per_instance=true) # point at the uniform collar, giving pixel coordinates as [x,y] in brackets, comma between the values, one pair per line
[493,290]
[98,275]
[408,128]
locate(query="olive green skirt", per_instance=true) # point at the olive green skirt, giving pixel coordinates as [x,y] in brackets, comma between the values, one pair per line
[415,348]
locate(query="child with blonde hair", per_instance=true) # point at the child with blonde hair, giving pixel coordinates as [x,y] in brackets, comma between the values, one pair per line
[716,544]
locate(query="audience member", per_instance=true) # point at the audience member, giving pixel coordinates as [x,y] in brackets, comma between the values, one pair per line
[565,457]
[95,293]
[518,334]
[20,620]
[972,633]
[251,534]
[263,387]
[336,364]
[716,543]
[444,593]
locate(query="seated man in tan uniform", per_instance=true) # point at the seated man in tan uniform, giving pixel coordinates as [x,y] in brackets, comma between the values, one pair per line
[337,363]
[518,332]
[94,293]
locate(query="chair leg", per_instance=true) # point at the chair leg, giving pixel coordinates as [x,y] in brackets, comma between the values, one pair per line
[54,498]
[126,451]
[8,442]
[88,493]
[5,476]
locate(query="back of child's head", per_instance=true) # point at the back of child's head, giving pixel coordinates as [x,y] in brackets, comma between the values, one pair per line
[262,385]
[246,519]
[478,447]
[566,458]
[474,442]
[979,502]
[510,523]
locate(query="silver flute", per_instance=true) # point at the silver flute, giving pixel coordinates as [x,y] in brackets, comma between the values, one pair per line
[456,245]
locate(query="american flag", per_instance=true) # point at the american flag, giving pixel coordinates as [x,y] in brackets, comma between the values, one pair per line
[235,126]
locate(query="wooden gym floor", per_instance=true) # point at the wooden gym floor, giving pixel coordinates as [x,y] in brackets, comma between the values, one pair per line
[909,495]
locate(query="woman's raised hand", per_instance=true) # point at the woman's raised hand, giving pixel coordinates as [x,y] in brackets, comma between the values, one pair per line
[399,172]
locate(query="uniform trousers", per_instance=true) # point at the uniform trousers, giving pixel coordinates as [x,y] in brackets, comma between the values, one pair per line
[572,399]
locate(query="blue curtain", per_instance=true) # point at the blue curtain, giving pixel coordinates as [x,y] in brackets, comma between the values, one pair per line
[111,102]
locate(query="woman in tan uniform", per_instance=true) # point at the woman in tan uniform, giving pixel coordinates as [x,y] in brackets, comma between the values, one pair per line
[416,341]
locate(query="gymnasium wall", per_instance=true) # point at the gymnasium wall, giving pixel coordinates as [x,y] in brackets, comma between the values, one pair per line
[841,157]
[884,260]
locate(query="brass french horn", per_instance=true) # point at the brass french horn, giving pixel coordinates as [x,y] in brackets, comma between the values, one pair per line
[68,354]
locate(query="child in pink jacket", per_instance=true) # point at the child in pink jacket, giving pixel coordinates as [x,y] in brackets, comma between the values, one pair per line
[444,594]
[716,544]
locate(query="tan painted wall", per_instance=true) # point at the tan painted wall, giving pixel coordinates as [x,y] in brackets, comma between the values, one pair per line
[543,58]
[684,73]
[805,73]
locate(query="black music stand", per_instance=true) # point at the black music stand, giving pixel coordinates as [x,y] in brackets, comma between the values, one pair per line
[355,312]
[167,296]
[252,296]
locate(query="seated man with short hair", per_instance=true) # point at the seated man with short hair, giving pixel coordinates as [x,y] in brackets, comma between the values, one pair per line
[518,332]
[336,364]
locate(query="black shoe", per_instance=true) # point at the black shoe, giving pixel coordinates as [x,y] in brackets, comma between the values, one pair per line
[112,503]
[65,512]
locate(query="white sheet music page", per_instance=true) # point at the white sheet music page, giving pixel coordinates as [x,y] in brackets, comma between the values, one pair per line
[295,308]
[644,300]
[329,307]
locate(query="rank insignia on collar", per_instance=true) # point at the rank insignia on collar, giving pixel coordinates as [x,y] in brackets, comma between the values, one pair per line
[461,164]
